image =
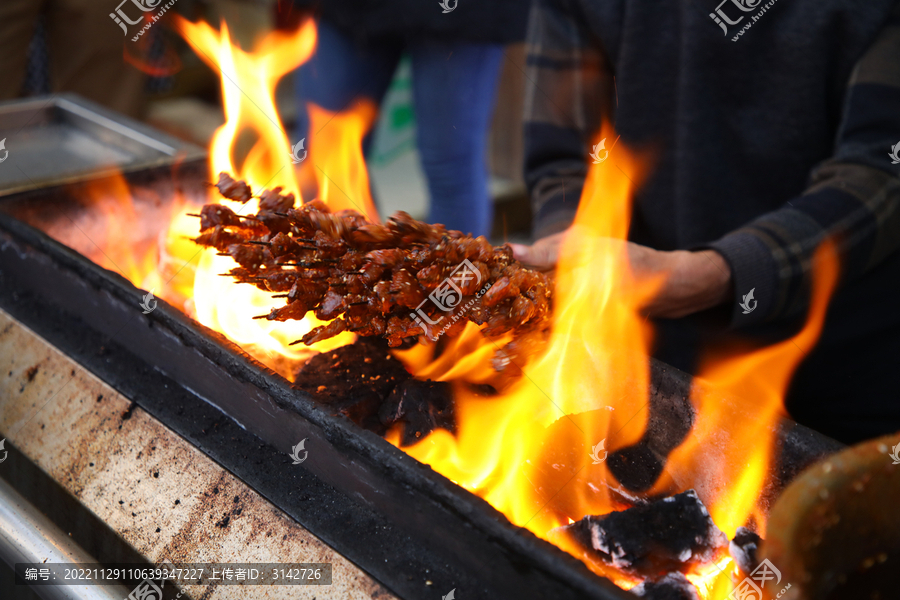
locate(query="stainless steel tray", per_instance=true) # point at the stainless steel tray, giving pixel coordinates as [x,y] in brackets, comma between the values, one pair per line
[53,140]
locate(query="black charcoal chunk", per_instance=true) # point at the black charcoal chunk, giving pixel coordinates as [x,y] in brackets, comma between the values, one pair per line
[652,540]
[743,549]
[674,586]
[422,407]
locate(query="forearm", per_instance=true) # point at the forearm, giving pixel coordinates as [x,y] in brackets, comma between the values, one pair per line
[855,206]
[571,93]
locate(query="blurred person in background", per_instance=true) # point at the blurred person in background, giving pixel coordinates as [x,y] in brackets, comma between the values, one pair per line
[74,46]
[767,141]
[456,53]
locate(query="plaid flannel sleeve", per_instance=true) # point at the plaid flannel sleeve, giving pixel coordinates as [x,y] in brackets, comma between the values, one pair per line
[569,93]
[852,198]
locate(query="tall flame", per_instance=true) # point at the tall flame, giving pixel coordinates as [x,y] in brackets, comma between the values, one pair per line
[728,455]
[335,147]
[251,145]
[340,168]
[739,403]
[248,85]
[537,450]
[514,449]
[534,451]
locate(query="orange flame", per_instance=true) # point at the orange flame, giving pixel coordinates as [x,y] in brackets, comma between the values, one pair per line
[248,86]
[739,403]
[530,450]
[728,454]
[248,92]
[521,450]
[251,145]
[536,451]
[340,168]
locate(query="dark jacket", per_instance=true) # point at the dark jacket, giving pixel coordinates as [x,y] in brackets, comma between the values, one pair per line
[773,121]
[497,21]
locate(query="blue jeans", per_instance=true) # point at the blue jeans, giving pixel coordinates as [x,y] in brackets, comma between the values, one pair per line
[454,88]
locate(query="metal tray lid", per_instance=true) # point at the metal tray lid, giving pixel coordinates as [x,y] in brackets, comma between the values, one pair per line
[64,138]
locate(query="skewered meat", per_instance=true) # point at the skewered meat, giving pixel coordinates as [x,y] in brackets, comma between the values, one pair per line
[399,279]
[233,190]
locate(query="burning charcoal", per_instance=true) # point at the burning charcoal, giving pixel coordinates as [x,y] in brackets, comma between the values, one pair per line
[652,540]
[353,380]
[743,549]
[674,586]
[423,406]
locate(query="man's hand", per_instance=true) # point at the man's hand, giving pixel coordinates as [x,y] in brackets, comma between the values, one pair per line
[692,281]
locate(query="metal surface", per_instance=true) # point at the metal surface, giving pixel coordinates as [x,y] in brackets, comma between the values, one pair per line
[27,536]
[64,139]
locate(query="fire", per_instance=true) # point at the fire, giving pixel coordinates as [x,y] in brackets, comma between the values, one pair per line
[251,145]
[739,404]
[522,450]
[340,168]
[728,454]
[532,451]
[541,450]
[248,94]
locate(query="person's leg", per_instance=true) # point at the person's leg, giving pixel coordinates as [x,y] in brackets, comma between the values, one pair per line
[17,21]
[342,70]
[454,87]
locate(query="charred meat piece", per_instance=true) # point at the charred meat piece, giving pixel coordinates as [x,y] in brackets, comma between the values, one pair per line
[353,381]
[422,407]
[233,190]
[212,215]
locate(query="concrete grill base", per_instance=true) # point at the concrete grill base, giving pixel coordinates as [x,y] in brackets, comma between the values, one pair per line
[150,487]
